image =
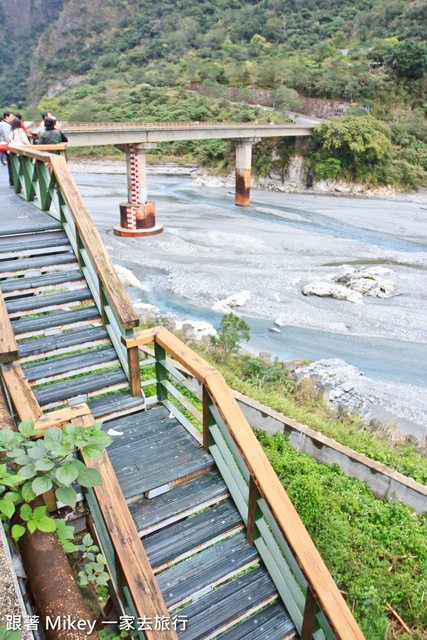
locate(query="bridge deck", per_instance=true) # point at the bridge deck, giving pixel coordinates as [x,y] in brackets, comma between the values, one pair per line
[190,528]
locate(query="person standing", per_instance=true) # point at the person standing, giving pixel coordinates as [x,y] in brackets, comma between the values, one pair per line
[17,134]
[52,134]
[5,130]
[18,115]
[3,146]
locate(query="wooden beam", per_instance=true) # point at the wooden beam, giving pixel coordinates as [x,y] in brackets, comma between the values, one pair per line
[21,393]
[136,568]
[308,619]
[38,151]
[139,338]
[179,351]
[8,345]
[251,511]
[60,418]
[134,374]
[6,420]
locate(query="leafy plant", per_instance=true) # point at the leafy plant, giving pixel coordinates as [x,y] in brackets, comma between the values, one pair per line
[10,634]
[230,335]
[93,563]
[35,466]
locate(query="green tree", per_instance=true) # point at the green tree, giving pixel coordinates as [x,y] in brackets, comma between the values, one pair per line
[230,335]
[49,104]
[360,143]
[408,59]
[286,99]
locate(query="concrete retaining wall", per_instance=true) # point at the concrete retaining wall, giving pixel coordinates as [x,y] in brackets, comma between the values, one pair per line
[383,482]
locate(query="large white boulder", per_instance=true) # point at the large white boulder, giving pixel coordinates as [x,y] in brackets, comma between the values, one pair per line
[331,290]
[196,329]
[127,276]
[235,300]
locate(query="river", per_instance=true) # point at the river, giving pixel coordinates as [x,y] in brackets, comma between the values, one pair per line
[210,249]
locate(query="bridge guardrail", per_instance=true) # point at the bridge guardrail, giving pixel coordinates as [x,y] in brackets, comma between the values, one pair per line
[314,601]
[82,127]
[41,175]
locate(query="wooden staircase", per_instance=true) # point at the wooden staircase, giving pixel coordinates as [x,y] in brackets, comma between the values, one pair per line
[192,532]
[192,524]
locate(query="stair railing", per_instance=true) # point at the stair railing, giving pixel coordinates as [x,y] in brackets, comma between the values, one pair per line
[137,590]
[44,179]
[303,581]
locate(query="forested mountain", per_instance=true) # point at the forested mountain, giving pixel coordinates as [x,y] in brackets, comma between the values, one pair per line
[22,24]
[236,42]
[139,59]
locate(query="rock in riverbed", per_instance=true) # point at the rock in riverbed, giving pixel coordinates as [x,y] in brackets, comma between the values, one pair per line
[235,300]
[352,284]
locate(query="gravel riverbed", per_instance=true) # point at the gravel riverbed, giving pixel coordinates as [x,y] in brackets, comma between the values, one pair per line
[211,249]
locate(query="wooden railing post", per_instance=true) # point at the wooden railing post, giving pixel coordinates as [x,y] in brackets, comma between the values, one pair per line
[308,619]
[134,375]
[251,511]
[161,374]
[208,419]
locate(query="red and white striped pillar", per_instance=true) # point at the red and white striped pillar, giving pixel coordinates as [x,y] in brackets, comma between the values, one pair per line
[137,215]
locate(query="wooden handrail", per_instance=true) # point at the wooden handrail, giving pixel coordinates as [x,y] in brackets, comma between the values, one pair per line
[38,151]
[108,277]
[20,391]
[319,580]
[196,365]
[136,568]
[8,345]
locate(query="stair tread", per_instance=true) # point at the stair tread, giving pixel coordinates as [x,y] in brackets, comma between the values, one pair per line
[48,241]
[64,364]
[79,386]
[154,450]
[60,341]
[47,300]
[57,319]
[26,231]
[135,481]
[271,623]
[141,426]
[182,537]
[206,568]
[43,262]
[19,284]
[183,499]
[227,603]
[121,402]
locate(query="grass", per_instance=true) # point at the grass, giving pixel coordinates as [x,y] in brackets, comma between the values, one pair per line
[376,551]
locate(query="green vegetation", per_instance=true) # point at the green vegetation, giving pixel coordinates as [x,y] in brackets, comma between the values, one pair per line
[36,466]
[189,60]
[269,383]
[231,332]
[376,551]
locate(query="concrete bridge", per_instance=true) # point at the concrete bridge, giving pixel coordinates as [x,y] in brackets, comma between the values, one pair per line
[137,216]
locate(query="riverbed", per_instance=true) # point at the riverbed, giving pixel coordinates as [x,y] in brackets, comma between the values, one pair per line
[211,249]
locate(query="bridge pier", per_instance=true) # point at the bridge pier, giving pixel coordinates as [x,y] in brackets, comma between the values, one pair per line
[137,215]
[243,171]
